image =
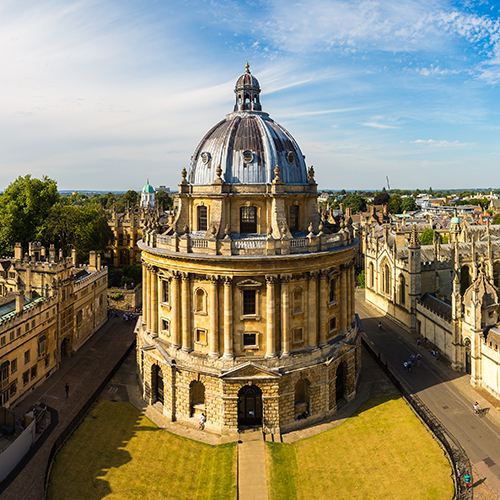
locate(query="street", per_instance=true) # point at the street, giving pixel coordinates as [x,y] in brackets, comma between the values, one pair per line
[447,393]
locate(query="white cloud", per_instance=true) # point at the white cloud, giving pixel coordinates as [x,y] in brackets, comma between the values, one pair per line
[441,143]
[377,125]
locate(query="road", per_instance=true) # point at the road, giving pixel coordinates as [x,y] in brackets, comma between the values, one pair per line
[447,393]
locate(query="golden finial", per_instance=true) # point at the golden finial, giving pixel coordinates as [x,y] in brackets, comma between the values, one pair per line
[247,68]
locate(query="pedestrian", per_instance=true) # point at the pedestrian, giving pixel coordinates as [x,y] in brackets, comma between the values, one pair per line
[437,357]
[433,352]
[425,340]
[418,360]
[412,358]
[418,343]
[66,387]
[405,365]
[379,325]
[475,407]
[409,365]
[202,421]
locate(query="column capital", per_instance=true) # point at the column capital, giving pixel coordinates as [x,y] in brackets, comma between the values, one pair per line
[185,276]
[313,275]
[271,279]
[228,280]
[285,278]
[214,279]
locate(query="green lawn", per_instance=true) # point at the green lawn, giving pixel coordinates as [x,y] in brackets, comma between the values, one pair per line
[117,453]
[382,452]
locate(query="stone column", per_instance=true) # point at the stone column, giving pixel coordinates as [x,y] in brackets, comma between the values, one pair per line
[228,317]
[147,306]
[175,301]
[213,335]
[271,317]
[312,310]
[154,301]
[285,315]
[144,293]
[323,291]
[353,295]
[186,313]
[343,299]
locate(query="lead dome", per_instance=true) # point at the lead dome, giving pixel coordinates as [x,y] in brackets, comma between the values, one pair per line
[247,145]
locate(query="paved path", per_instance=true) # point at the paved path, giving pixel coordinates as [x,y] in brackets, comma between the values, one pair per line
[84,373]
[447,393]
[252,480]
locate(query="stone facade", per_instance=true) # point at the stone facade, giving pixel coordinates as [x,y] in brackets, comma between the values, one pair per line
[446,293]
[49,307]
[248,291]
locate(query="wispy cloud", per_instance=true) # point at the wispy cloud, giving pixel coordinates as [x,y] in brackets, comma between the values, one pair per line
[377,125]
[441,143]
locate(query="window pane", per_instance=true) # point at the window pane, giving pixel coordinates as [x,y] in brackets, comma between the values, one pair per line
[248,220]
[202,218]
[248,301]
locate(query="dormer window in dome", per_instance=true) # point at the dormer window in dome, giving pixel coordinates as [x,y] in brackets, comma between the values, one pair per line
[248,156]
[290,157]
[205,157]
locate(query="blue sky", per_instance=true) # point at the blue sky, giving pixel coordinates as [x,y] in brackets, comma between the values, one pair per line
[105,94]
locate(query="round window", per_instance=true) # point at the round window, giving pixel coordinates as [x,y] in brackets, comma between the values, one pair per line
[205,157]
[290,157]
[248,156]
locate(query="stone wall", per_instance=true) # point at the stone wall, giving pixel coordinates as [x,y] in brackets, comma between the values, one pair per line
[130,299]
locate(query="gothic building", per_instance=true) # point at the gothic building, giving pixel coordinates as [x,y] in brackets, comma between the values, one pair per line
[49,307]
[447,293]
[248,290]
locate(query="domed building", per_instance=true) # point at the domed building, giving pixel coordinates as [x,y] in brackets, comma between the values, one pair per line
[248,290]
[147,196]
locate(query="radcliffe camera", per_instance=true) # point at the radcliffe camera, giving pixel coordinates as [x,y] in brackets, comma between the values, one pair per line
[249,251]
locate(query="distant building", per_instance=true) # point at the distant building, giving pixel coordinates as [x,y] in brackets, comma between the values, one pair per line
[49,307]
[147,197]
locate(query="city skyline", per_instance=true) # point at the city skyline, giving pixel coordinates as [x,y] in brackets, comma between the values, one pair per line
[103,96]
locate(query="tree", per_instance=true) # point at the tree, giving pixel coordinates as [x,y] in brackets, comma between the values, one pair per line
[162,198]
[408,204]
[24,208]
[381,198]
[361,279]
[83,228]
[427,237]
[356,202]
[496,219]
[394,205]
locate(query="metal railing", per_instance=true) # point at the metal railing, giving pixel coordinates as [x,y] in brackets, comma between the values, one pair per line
[458,456]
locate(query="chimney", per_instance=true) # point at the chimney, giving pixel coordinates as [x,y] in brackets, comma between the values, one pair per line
[92,261]
[98,261]
[73,257]
[52,253]
[18,252]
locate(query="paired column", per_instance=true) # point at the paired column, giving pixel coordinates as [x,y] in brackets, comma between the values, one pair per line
[213,336]
[271,317]
[323,290]
[186,313]
[228,317]
[147,306]
[144,293]
[285,315]
[312,300]
[154,300]
[353,294]
[343,297]
[175,302]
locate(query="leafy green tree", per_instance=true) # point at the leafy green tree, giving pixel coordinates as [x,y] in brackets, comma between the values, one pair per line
[408,204]
[427,237]
[361,279]
[394,205]
[24,207]
[83,228]
[162,198]
[496,219]
[356,202]
[445,239]
[381,198]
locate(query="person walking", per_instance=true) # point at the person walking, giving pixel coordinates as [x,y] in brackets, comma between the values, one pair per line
[66,388]
[418,344]
[467,479]
[405,366]
[202,421]
[409,365]
[475,407]
[418,360]
[437,357]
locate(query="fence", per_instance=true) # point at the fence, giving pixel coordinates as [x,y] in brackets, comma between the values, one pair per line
[458,457]
[68,430]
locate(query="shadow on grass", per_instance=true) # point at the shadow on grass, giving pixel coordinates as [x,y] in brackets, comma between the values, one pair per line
[118,452]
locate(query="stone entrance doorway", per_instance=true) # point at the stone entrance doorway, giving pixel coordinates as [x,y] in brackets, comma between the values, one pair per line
[249,406]
[66,348]
[158,378]
[467,357]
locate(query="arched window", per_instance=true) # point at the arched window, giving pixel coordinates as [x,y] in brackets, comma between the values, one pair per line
[372,275]
[402,291]
[387,279]
[294,218]
[333,289]
[248,220]
[200,300]
[202,218]
[465,279]
[165,291]
[297,300]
